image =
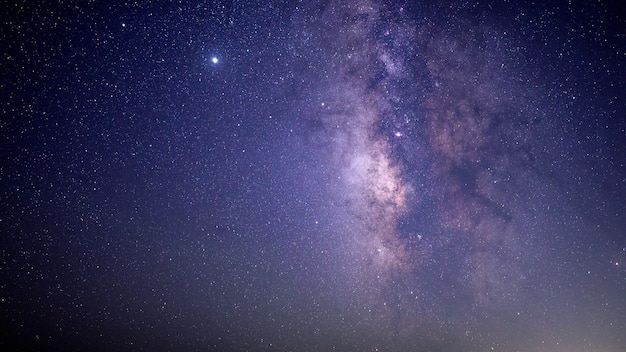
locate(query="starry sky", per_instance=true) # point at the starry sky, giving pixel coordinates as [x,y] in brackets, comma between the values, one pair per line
[354,175]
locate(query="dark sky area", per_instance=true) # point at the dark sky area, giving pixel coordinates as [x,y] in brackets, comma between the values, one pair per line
[354,175]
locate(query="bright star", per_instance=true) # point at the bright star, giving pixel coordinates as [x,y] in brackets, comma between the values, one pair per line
[215,60]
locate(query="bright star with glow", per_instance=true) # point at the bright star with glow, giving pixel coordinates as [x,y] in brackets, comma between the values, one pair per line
[215,60]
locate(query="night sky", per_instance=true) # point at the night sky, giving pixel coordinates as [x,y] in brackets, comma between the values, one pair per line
[313,176]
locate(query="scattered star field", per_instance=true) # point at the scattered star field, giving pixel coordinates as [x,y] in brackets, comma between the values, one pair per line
[355,175]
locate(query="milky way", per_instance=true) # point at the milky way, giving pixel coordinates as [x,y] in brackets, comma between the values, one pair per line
[313,176]
[473,125]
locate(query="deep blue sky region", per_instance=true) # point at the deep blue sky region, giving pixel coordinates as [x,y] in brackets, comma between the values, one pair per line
[354,175]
